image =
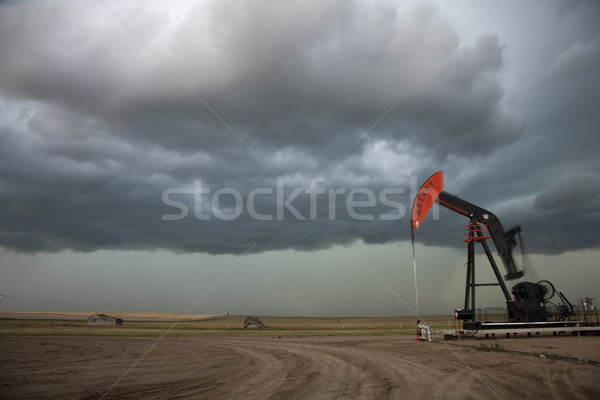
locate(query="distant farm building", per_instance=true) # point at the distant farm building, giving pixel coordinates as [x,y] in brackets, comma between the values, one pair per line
[103,319]
[254,323]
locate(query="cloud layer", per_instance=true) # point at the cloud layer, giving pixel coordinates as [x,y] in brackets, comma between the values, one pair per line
[104,112]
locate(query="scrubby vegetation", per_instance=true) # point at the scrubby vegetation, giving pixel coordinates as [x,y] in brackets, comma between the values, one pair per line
[496,348]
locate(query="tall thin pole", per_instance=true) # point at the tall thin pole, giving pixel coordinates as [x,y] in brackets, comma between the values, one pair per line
[412,238]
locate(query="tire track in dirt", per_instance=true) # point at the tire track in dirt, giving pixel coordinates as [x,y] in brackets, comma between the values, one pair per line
[270,368]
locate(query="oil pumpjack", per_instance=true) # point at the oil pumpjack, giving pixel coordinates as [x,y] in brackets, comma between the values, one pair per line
[528,303]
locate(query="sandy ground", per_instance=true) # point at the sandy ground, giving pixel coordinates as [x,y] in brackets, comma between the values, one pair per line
[294,368]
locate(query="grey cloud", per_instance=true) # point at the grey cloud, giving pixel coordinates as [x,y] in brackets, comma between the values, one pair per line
[578,62]
[339,65]
[104,127]
[576,193]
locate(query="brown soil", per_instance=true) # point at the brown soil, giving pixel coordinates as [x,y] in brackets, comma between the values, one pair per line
[295,368]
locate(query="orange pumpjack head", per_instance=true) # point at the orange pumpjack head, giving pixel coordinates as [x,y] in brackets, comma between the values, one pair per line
[425,198]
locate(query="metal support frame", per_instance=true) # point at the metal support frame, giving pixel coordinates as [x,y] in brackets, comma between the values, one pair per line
[471,284]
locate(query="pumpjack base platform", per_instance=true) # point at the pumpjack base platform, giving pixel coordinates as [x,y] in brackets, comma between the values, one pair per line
[523,329]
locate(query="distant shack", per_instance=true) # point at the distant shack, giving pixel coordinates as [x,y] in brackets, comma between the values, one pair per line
[253,323]
[103,319]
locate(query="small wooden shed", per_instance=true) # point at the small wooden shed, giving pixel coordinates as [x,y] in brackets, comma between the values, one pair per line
[254,323]
[103,319]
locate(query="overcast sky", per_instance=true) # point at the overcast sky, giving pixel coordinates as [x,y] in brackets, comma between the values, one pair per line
[260,157]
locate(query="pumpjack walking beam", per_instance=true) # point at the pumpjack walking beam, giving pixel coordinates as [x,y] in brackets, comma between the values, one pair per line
[505,242]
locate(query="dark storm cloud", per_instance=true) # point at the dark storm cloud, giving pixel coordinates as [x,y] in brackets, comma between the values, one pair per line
[281,76]
[580,192]
[97,127]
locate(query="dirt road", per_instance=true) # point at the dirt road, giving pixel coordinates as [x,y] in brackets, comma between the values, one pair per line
[287,368]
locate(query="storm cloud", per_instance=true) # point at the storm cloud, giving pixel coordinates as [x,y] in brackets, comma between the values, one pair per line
[103,112]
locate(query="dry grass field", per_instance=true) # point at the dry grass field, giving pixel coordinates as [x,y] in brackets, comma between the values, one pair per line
[212,357]
[144,325]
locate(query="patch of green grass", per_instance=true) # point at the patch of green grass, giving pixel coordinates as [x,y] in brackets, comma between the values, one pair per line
[158,329]
[551,356]
[279,327]
[496,348]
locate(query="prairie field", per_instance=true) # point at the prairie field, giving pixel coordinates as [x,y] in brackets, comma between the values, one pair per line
[156,324]
[213,357]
